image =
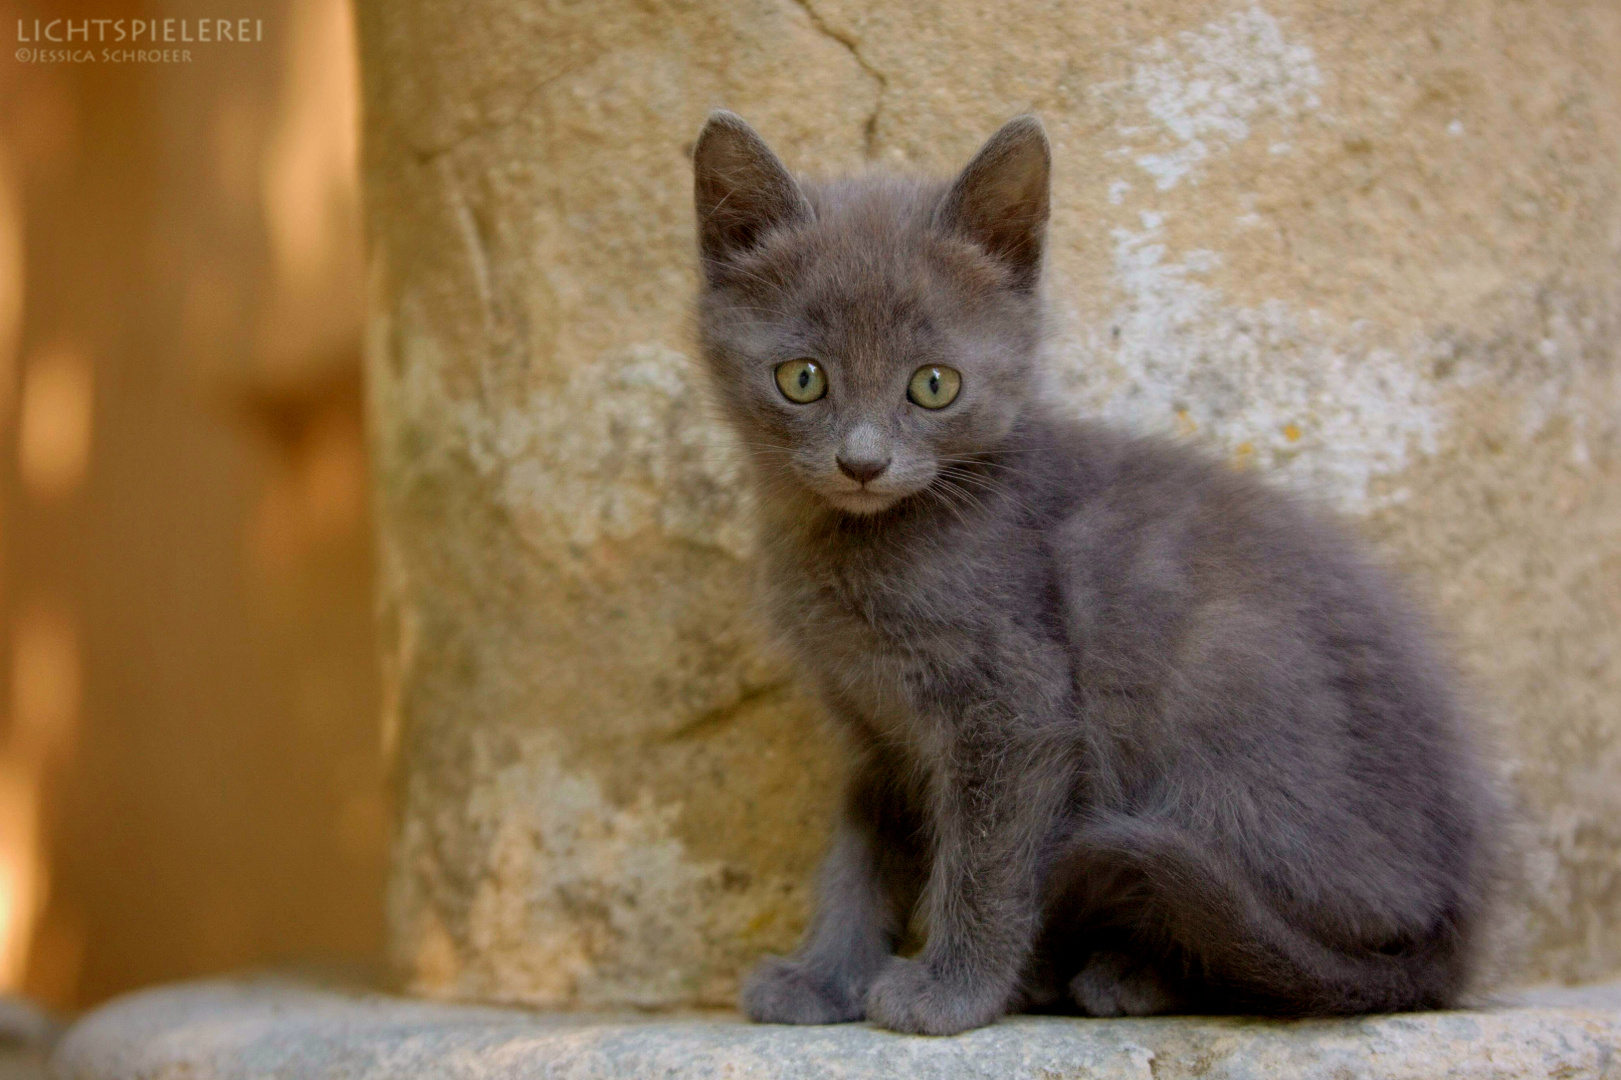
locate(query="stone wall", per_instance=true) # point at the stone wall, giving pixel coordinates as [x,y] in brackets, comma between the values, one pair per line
[1372,249]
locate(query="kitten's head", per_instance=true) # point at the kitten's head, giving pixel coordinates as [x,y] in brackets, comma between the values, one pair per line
[868,334]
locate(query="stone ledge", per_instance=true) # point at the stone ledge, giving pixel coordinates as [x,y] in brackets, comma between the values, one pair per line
[233,1030]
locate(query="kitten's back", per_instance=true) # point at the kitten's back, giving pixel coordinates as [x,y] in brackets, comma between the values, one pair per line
[1255,687]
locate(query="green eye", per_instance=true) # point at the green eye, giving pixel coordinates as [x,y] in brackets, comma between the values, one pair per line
[934,387]
[801,381]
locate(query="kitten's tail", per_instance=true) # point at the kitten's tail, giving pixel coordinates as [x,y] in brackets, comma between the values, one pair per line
[1252,958]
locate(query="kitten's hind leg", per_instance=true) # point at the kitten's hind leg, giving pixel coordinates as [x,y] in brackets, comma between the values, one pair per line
[1113,984]
[1250,956]
[868,886]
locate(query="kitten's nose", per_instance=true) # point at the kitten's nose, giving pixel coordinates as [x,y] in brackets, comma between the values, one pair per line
[863,453]
[861,469]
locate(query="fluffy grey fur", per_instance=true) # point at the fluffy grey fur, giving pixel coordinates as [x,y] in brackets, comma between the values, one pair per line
[1131,732]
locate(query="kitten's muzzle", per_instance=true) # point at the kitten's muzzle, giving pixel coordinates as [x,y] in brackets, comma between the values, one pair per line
[860,469]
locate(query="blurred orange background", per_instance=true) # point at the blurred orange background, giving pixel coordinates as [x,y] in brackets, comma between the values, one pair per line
[190,771]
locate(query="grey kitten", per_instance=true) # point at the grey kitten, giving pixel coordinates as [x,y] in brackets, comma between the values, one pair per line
[1131,732]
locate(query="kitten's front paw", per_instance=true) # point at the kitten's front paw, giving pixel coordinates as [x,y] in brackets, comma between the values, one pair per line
[908,997]
[784,991]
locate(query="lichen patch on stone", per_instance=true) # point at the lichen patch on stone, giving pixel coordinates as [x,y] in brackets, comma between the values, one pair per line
[575,899]
[627,444]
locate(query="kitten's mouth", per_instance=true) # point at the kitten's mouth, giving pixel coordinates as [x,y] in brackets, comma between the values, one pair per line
[862,501]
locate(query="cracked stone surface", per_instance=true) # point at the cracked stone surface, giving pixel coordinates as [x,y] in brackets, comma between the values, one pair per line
[1371,249]
[241,1030]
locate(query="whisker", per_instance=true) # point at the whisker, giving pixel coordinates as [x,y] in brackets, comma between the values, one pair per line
[967,478]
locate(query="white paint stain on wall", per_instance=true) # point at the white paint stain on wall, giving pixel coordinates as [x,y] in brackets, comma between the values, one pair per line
[1294,392]
[1209,88]
[1323,404]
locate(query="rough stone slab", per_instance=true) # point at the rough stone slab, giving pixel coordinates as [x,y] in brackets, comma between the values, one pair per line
[224,1030]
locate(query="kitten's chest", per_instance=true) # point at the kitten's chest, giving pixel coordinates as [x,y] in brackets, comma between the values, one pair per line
[883,638]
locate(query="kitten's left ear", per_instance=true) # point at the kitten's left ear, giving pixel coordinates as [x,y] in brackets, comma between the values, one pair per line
[1000,201]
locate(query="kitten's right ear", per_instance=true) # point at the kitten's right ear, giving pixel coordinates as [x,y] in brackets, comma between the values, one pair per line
[742,189]
[1000,201]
